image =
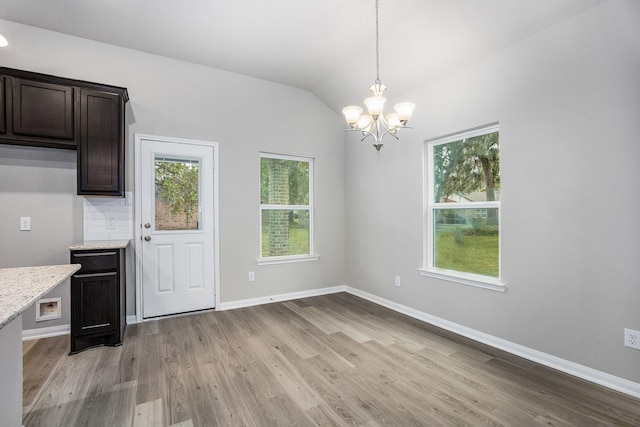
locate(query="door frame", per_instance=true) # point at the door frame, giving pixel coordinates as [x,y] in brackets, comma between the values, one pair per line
[139,137]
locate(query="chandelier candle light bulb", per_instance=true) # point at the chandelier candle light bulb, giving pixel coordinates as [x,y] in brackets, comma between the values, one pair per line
[393,121]
[364,123]
[352,114]
[404,110]
[375,125]
[375,105]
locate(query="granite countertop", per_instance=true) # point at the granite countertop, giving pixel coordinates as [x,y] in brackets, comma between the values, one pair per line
[21,287]
[100,244]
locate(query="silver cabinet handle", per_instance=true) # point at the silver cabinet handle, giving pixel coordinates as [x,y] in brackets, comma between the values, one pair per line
[147,238]
[147,225]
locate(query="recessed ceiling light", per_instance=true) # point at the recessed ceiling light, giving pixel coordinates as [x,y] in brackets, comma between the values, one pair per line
[3,41]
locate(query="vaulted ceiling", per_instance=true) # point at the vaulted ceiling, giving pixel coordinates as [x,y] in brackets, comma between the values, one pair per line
[324,46]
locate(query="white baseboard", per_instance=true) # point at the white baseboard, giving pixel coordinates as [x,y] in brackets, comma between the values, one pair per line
[51,331]
[279,298]
[610,381]
[131,319]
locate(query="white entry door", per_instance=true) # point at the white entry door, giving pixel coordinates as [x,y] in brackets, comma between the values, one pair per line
[177,220]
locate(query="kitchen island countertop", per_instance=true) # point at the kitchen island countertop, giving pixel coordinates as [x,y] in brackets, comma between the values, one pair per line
[21,287]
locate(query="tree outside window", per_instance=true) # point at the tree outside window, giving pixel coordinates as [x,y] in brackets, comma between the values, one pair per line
[177,184]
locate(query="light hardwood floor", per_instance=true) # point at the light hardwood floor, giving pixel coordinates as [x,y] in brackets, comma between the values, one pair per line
[333,360]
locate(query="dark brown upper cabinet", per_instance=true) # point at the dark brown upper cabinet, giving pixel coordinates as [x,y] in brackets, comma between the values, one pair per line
[39,110]
[47,111]
[43,110]
[101,151]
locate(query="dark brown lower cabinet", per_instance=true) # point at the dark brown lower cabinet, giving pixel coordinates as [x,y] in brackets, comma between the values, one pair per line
[98,311]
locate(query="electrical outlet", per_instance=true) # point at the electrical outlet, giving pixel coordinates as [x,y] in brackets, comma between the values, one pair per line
[252,276]
[632,338]
[111,223]
[397,282]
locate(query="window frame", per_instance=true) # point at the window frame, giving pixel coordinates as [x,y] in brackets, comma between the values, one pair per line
[311,256]
[430,207]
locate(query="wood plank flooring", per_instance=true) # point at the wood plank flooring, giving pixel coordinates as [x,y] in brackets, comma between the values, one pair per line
[333,360]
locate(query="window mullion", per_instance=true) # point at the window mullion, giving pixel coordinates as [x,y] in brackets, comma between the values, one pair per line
[285,207]
[470,205]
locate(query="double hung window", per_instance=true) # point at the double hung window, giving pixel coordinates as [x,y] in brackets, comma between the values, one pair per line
[286,208]
[462,223]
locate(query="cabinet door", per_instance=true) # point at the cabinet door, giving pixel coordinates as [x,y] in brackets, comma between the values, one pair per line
[101,147]
[94,309]
[3,110]
[42,109]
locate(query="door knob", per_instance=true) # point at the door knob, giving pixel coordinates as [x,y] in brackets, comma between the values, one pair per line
[147,238]
[147,225]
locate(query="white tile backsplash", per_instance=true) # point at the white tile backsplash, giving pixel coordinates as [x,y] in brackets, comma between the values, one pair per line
[98,211]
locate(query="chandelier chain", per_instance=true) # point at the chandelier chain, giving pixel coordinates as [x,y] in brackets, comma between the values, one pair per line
[377,47]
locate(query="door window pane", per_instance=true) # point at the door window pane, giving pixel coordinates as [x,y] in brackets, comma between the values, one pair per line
[177,194]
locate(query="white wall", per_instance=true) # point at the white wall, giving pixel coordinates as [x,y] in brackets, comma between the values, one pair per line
[39,183]
[568,103]
[244,115]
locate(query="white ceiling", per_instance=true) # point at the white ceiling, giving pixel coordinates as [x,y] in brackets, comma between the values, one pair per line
[324,46]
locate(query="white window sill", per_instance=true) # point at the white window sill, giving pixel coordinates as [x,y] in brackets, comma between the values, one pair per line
[465,279]
[287,259]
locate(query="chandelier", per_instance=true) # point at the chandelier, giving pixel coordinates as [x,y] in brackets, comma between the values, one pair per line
[374,124]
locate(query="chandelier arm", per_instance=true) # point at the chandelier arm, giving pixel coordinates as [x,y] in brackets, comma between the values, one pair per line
[366,134]
[391,132]
[384,121]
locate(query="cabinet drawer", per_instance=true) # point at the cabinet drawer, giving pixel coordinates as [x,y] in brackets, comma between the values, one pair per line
[95,261]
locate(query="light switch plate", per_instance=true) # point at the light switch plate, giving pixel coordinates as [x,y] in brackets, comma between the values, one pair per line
[25,223]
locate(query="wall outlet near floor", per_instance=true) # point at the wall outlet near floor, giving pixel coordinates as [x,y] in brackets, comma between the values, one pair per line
[252,276]
[632,338]
[48,308]
[397,282]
